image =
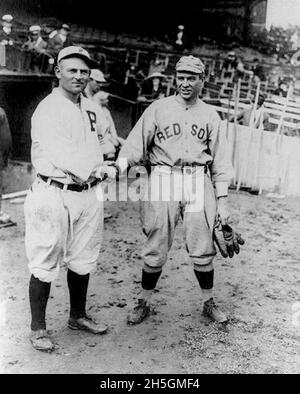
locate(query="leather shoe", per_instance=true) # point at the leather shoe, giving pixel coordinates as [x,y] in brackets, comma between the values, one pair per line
[40,340]
[86,323]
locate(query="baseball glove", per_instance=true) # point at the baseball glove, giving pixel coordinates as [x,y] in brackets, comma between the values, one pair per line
[227,239]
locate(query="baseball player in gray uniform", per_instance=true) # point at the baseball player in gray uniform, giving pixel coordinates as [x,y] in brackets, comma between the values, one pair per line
[63,217]
[181,137]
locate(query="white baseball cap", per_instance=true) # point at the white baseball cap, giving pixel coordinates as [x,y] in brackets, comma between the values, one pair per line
[7,18]
[74,51]
[34,28]
[97,75]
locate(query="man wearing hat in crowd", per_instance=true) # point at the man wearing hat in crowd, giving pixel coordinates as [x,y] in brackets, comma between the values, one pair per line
[63,216]
[35,42]
[59,39]
[6,33]
[152,87]
[38,47]
[180,137]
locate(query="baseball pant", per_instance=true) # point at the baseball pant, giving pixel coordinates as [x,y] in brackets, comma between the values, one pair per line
[159,220]
[62,226]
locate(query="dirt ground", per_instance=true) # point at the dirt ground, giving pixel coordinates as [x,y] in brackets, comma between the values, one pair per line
[259,290]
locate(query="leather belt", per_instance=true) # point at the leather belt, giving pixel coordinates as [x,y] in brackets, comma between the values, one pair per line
[73,187]
[185,169]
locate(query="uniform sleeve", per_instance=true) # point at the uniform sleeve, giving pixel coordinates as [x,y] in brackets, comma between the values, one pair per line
[112,127]
[137,143]
[58,147]
[222,170]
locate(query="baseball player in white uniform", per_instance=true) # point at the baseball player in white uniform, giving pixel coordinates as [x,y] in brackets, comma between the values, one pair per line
[181,137]
[63,217]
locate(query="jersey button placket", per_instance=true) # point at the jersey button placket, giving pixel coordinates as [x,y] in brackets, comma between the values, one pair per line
[186,140]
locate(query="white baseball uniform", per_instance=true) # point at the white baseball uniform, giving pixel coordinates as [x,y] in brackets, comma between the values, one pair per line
[174,135]
[63,225]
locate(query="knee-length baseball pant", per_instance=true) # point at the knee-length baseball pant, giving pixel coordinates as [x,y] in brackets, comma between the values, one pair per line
[62,226]
[159,220]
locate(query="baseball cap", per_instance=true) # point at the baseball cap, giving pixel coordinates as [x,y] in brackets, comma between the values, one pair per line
[97,75]
[65,26]
[191,64]
[7,18]
[74,51]
[156,75]
[34,28]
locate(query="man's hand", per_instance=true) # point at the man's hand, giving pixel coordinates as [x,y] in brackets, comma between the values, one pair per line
[106,171]
[222,210]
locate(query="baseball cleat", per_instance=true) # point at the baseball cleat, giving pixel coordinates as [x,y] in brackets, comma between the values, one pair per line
[211,310]
[138,313]
[40,340]
[86,323]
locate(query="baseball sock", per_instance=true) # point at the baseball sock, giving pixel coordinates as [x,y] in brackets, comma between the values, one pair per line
[206,282]
[149,281]
[78,285]
[38,297]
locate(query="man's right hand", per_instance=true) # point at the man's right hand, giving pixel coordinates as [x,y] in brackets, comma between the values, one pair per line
[106,171]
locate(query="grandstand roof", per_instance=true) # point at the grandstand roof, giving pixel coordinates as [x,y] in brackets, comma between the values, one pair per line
[157,16]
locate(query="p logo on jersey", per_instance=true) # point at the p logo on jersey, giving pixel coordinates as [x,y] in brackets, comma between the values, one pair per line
[93,120]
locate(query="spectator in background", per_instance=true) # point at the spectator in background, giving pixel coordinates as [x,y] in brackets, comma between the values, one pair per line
[5,148]
[258,71]
[153,87]
[235,64]
[35,42]
[260,118]
[282,89]
[59,39]
[6,33]
[38,47]
[180,38]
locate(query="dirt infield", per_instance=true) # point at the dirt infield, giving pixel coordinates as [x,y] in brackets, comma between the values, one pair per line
[259,290]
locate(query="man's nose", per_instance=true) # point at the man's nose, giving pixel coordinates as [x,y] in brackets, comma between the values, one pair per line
[78,74]
[185,82]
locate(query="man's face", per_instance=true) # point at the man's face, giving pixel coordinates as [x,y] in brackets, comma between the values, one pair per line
[73,75]
[64,32]
[95,86]
[34,35]
[188,85]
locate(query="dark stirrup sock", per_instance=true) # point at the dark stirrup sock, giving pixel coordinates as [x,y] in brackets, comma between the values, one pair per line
[78,285]
[149,279]
[205,279]
[38,297]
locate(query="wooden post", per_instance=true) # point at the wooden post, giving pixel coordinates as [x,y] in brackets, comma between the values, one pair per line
[236,109]
[251,127]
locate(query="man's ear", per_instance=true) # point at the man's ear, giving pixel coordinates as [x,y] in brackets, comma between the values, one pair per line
[57,72]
